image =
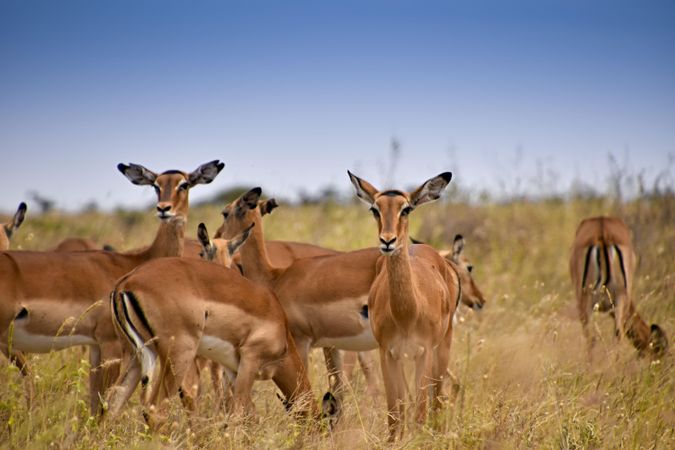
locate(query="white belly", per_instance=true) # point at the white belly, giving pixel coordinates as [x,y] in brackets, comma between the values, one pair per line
[223,352]
[358,343]
[39,343]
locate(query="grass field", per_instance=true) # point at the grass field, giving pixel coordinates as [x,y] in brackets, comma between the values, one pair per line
[525,379]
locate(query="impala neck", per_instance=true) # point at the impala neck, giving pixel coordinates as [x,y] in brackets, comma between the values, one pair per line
[402,295]
[254,258]
[169,239]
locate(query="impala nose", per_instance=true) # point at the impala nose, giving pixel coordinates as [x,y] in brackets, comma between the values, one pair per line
[163,210]
[387,246]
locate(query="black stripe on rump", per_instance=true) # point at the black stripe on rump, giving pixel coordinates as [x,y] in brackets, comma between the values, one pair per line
[623,268]
[587,260]
[139,312]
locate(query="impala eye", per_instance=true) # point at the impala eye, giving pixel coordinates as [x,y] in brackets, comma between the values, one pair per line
[375,212]
[156,188]
[469,268]
[225,214]
[184,186]
[405,211]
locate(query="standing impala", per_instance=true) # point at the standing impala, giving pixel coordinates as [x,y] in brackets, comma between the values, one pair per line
[411,302]
[174,309]
[602,266]
[57,299]
[7,229]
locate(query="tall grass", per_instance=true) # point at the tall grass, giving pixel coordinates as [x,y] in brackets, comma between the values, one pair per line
[525,379]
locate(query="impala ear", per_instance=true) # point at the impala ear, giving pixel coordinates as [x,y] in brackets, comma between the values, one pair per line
[203,236]
[457,246]
[267,206]
[236,242]
[415,241]
[137,174]
[251,198]
[364,190]
[20,214]
[430,189]
[205,173]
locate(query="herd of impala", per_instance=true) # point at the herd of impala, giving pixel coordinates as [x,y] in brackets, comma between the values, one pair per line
[158,315]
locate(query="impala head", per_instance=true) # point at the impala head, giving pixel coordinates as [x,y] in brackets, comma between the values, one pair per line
[7,229]
[391,207]
[471,293]
[658,341]
[220,250]
[244,212]
[172,186]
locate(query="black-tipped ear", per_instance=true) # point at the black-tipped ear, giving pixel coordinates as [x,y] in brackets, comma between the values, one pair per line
[137,174]
[20,214]
[203,235]
[430,189]
[205,173]
[235,243]
[457,245]
[267,206]
[364,190]
[250,199]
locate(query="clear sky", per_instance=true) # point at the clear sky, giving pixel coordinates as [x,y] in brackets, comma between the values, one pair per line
[292,94]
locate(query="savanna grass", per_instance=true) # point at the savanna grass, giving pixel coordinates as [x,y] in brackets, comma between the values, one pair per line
[525,379]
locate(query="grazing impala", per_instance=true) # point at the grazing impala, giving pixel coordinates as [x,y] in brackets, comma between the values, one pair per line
[8,229]
[55,300]
[175,309]
[411,302]
[602,266]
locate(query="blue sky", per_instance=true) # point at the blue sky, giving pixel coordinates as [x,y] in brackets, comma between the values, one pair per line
[292,94]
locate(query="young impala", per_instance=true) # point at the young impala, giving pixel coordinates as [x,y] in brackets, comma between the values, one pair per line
[55,300]
[411,302]
[602,267]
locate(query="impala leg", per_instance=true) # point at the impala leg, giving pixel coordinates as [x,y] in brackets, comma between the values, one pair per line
[333,359]
[367,363]
[423,381]
[394,387]
[189,388]
[584,310]
[95,379]
[243,385]
[440,371]
[126,383]
[179,363]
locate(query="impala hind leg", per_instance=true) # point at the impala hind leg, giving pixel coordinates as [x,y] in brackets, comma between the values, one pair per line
[368,366]
[440,372]
[584,308]
[126,383]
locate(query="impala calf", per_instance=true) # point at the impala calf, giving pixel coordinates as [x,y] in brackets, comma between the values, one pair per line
[602,267]
[411,302]
[175,309]
[8,229]
[56,299]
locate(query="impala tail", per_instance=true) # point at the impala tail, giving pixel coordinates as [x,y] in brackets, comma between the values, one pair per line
[133,325]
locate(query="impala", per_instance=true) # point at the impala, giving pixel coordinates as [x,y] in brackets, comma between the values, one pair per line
[602,267]
[55,300]
[172,310]
[325,297]
[8,229]
[411,302]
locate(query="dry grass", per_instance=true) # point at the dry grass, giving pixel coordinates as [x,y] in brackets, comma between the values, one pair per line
[525,380]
